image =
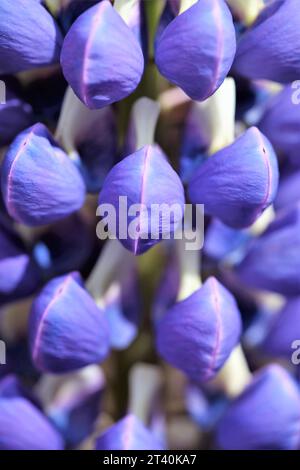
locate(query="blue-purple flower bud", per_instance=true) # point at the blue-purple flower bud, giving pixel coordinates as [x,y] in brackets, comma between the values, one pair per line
[266,416]
[239,182]
[128,434]
[198,334]
[23,427]
[101,58]
[284,330]
[148,181]
[270,48]
[273,262]
[40,183]
[29,36]
[15,116]
[197,48]
[67,329]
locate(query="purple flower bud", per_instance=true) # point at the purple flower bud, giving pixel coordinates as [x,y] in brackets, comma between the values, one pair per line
[66,246]
[239,182]
[122,310]
[146,179]
[67,330]
[204,409]
[196,50]
[19,274]
[266,416]
[75,406]
[101,58]
[284,330]
[15,116]
[222,241]
[167,291]
[97,148]
[23,427]
[128,434]
[288,191]
[198,334]
[11,387]
[29,36]
[270,49]
[273,262]
[280,123]
[40,184]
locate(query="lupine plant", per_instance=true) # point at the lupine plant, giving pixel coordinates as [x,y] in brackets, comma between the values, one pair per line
[150,224]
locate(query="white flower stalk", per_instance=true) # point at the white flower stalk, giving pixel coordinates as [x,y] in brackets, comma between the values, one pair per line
[217,116]
[112,257]
[145,383]
[262,223]
[127,9]
[144,117]
[57,391]
[234,375]
[189,267]
[186,4]
[74,122]
[246,10]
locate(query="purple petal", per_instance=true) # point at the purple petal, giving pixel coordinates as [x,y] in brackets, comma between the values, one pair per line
[198,334]
[273,260]
[15,116]
[284,330]
[75,406]
[166,294]
[270,49]
[239,182]
[266,416]
[98,149]
[23,427]
[280,123]
[196,50]
[222,241]
[11,387]
[67,329]
[19,274]
[101,58]
[128,434]
[29,37]
[122,310]
[40,184]
[288,191]
[147,179]
[66,246]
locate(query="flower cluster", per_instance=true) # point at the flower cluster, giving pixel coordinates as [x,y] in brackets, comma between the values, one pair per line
[138,341]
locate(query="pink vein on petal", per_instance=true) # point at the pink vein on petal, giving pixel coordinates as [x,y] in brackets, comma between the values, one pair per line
[57,294]
[22,147]
[87,50]
[216,303]
[143,188]
[220,42]
[127,437]
[267,165]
